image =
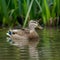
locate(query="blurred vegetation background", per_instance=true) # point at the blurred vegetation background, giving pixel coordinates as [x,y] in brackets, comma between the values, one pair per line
[47,11]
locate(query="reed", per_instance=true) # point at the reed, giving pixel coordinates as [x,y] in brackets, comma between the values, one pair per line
[34,9]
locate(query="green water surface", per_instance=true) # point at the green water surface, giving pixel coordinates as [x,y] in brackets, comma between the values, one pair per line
[48,46]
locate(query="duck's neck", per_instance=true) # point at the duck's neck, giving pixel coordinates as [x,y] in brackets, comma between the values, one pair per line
[34,35]
[32,30]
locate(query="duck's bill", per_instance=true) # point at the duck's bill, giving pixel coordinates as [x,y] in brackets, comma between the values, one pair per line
[40,27]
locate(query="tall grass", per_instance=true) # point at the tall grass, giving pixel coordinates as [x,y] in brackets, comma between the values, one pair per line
[27,15]
[4,11]
[45,11]
[58,7]
[34,9]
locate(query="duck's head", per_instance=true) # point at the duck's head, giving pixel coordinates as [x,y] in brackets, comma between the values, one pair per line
[34,24]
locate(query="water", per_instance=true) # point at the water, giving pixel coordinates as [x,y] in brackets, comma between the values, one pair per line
[48,47]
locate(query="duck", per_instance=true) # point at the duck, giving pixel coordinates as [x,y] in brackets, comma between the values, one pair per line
[24,35]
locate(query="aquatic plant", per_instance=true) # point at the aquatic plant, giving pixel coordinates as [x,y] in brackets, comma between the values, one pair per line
[29,9]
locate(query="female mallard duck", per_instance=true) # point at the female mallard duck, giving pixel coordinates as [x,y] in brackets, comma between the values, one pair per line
[26,37]
[22,36]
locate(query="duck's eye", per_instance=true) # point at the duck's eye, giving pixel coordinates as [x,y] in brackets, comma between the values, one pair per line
[34,22]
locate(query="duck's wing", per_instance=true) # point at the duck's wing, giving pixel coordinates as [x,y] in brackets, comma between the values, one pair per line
[19,37]
[26,31]
[19,32]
